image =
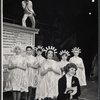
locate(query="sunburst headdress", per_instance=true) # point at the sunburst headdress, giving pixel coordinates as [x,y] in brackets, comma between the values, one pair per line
[76,49]
[17,44]
[51,48]
[39,47]
[64,52]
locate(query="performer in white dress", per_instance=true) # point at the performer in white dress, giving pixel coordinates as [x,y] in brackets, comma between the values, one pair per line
[28,12]
[39,50]
[17,79]
[80,73]
[32,65]
[64,56]
[51,73]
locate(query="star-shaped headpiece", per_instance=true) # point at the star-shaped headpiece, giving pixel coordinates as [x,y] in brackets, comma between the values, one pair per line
[76,49]
[39,47]
[17,44]
[51,48]
[64,52]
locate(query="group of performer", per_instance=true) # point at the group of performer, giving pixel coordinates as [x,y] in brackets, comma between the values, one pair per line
[49,79]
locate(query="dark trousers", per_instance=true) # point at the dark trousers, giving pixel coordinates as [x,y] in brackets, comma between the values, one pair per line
[31,93]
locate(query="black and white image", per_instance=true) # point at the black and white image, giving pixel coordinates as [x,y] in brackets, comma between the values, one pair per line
[50,50]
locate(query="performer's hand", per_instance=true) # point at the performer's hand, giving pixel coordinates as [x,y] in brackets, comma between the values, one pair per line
[68,90]
[39,66]
[35,64]
[15,65]
[28,65]
[49,69]
[74,91]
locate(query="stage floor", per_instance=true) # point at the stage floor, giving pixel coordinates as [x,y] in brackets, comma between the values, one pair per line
[89,92]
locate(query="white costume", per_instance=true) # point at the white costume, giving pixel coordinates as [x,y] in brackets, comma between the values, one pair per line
[62,64]
[49,83]
[28,12]
[40,60]
[32,73]
[80,73]
[17,79]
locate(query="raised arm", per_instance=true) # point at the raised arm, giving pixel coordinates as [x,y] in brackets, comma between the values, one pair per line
[23,5]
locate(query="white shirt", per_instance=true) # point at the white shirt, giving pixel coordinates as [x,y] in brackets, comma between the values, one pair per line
[69,81]
[27,6]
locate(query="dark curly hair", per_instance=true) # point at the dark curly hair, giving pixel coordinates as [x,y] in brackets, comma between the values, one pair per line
[68,66]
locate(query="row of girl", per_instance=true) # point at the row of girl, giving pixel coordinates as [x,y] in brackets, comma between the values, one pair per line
[27,73]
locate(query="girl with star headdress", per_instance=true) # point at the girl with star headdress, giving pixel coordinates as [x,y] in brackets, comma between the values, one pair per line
[39,50]
[40,59]
[50,73]
[32,69]
[17,79]
[80,73]
[64,55]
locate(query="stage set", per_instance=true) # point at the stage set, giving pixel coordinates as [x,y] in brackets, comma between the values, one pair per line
[60,23]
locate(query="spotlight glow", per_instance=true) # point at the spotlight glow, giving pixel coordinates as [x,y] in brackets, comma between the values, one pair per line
[93,0]
[89,13]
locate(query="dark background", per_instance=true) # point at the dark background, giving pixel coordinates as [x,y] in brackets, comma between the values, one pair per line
[62,23]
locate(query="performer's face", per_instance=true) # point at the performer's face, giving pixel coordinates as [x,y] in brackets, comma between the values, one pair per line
[64,57]
[39,52]
[50,54]
[76,53]
[17,50]
[72,71]
[29,51]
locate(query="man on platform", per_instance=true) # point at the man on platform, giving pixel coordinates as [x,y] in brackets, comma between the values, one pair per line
[28,12]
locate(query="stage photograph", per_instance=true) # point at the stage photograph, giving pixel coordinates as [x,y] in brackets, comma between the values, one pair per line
[50,50]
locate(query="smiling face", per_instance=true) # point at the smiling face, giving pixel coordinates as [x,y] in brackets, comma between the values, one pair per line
[29,51]
[72,71]
[64,57]
[50,54]
[17,50]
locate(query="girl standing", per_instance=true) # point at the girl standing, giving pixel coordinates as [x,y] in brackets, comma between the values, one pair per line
[80,73]
[40,59]
[17,79]
[32,72]
[39,50]
[64,56]
[51,73]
